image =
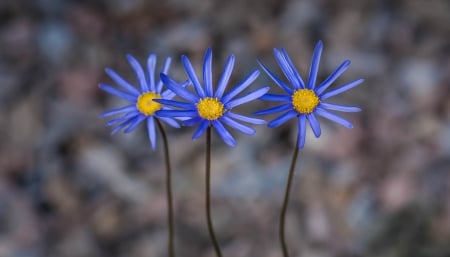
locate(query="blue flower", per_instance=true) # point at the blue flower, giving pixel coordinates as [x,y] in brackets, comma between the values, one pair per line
[208,108]
[304,101]
[142,107]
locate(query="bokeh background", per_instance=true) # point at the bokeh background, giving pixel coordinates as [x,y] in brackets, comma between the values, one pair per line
[68,189]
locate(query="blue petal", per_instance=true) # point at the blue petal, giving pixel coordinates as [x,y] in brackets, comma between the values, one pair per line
[314,65]
[192,76]
[341,89]
[151,131]
[169,94]
[170,121]
[245,118]
[223,133]
[241,86]
[333,76]
[326,114]
[173,103]
[179,90]
[239,127]
[341,108]
[276,98]
[192,121]
[225,77]
[207,72]
[128,116]
[166,67]
[275,109]
[117,93]
[121,82]
[151,64]
[282,119]
[294,71]
[201,129]
[301,131]
[113,112]
[136,121]
[247,98]
[315,125]
[287,71]
[177,113]
[121,126]
[278,81]
[139,72]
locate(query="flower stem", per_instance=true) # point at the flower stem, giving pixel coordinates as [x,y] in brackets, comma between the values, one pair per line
[208,198]
[286,200]
[170,245]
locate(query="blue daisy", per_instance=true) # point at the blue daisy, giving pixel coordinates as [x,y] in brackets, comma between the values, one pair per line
[208,108]
[305,101]
[142,107]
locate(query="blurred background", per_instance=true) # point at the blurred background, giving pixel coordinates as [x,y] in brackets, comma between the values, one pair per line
[68,189]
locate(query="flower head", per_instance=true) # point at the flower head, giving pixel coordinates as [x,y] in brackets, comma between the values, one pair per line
[304,101]
[206,107]
[142,107]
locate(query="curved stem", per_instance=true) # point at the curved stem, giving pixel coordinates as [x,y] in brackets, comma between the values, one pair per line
[286,201]
[208,198]
[170,246]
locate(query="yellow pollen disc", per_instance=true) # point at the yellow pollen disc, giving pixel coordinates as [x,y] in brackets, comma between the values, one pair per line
[146,105]
[210,108]
[305,101]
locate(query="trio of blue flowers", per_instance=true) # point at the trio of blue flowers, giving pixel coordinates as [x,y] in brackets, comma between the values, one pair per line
[208,105]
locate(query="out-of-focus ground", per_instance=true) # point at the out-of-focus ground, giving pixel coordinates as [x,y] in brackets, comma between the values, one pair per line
[68,189]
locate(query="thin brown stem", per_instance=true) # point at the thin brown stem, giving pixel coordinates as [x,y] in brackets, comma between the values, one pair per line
[208,197]
[286,201]
[170,245]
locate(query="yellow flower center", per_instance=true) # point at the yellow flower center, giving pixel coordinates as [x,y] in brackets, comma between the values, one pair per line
[146,105]
[305,101]
[210,108]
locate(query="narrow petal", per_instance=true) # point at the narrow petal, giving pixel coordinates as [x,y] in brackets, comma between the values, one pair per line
[169,94]
[315,125]
[113,112]
[278,81]
[136,121]
[151,131]
[341,108]
[239,127]
[241,86]
[326,114]
[172,122]
[121,126]
[246,119]
[166,67]
[177,113]
[275,109]
[313,69]
[173,103]
[177,89]
[293,68]
[225,77]
[192,121]
[121,82]
[192,76]
[118,93]
[341,89]
[201,129]
[139,72]
[151,64]
[285,68]
[247,98]
[128,116]
[282,119]
[333,76]
[301,131]
[276,98]
[207,72]
[223,133]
